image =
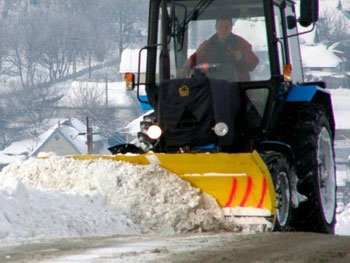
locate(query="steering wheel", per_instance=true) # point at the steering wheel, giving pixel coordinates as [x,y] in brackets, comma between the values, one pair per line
[225,71]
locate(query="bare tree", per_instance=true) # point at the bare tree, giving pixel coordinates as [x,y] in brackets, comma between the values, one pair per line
[88,97]
[57,48]
[42,42]
[123,20]
[333,27]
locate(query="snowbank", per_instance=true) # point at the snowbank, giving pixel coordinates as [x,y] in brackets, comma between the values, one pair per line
[61,197]
[343,222]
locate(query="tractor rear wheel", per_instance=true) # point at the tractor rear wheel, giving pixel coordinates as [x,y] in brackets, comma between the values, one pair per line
[312,143]
[280,171]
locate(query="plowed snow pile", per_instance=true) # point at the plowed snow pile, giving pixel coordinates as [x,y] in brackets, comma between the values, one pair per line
[59,197]
[343,222]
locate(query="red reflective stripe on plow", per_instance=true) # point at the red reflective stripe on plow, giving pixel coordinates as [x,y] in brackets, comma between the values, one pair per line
[263,193]
[232,193]
[247,191]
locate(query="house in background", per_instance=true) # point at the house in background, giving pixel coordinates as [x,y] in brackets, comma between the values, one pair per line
[129,62]
[323,64]
[69,137]
[319,58]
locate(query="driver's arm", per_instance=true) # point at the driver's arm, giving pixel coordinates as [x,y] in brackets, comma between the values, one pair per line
[248,59]
[191,62]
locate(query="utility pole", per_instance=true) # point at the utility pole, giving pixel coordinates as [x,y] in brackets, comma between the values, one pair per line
[90,143]
[106,91]
[89,138]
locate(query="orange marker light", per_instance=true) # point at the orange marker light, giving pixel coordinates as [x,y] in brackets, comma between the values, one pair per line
[129,80]
[287,72]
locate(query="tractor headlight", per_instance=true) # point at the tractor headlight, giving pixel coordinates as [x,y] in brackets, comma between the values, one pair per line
[221,129]
[154,132]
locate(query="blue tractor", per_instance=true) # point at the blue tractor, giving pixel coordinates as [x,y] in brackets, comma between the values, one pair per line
[219,113]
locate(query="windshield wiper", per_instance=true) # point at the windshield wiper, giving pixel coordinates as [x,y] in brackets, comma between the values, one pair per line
[200,7]
[195,12]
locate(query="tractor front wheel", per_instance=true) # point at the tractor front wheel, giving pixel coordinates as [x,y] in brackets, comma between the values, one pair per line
[280,171]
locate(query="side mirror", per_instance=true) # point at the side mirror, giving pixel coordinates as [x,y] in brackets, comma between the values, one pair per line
[129,80]
[308,12]
[291,22]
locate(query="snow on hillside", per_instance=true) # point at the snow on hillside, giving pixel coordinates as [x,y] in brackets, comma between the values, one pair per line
[114,92]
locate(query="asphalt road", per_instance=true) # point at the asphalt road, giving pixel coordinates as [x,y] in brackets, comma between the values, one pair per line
[208,248]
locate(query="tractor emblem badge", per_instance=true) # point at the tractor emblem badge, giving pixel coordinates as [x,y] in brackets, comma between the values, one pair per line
[184,91]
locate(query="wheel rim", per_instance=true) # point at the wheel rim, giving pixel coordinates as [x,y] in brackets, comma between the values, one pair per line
[282,198]
[326,175]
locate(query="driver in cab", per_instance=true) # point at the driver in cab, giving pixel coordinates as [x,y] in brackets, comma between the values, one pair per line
[224,56]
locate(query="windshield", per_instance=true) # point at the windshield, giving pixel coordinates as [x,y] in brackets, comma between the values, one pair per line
[220,39]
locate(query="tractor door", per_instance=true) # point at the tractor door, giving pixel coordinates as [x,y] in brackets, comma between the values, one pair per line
[287,41]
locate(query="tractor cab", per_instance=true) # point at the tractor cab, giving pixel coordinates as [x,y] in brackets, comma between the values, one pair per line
[201,82]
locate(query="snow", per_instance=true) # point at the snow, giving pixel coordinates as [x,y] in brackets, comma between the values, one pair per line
[341,106]
[62,197]
[343,222]
[312,58]
[117,95]
[23,147]
[130,61]
[5,158]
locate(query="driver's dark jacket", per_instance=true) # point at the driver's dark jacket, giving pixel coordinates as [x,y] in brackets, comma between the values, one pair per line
[213,51]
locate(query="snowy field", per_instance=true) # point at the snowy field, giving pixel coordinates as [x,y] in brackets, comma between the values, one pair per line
[62,197]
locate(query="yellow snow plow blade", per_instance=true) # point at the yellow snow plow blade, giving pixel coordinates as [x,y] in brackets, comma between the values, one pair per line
[235,180]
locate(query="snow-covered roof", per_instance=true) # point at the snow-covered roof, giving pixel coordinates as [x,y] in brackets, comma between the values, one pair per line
[6,158]
[78,146]
[324,4]
[318,57]
[130,59]
[23,147]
